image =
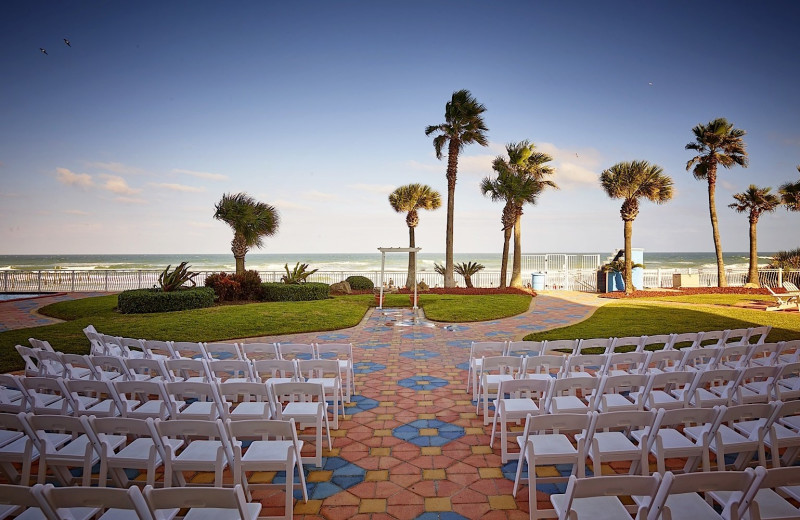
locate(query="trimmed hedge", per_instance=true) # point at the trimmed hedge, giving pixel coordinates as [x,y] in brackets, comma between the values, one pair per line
[140,301]
[282,292]
[360,283]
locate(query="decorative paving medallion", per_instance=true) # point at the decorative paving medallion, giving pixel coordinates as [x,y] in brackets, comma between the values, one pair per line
[333,337]
[419,353]
[340,475]
[417,335]
[423,382]
[367,367]
[374,346]
[460,343]
[359,404]
[428,432]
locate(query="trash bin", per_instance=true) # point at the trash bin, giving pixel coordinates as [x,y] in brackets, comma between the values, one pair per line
[537,281]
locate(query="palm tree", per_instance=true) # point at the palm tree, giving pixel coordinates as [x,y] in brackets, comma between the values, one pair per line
[520,180]
[249,219]
[790,194]
[468,270]
[631,181]
[463,125]
[411,198]
[718,143]
[755,201]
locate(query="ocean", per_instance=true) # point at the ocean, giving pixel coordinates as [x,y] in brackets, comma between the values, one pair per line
[331,262]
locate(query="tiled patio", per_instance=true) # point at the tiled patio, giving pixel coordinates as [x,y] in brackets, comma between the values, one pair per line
[411,446]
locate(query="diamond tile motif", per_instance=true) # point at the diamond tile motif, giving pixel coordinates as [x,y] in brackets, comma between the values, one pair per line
[428,432]
[423,382]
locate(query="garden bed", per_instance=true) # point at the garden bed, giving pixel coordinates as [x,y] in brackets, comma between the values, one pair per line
[689,291]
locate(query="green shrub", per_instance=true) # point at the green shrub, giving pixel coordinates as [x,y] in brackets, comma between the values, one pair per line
[249,285]
[281,292]
[225,286]
[360,283]
[141,301]
[299,274]
[175,280]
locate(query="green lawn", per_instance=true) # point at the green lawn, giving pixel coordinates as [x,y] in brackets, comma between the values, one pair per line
[711,299]
[238,321]
[638,317]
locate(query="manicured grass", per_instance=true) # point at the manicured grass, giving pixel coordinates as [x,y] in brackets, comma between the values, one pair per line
[635,318]
[459,308]
[711,299]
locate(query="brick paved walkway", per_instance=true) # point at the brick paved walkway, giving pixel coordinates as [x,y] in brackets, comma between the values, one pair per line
[22,314]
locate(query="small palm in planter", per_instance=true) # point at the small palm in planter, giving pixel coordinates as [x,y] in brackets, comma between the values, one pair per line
[617,267]
[465,269]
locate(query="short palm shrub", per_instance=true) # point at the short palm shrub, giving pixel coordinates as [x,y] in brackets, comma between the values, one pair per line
[360,283]
[282,292]
[297,275]
[140,301]
[177,279]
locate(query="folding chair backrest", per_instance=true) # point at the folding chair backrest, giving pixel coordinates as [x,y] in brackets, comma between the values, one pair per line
[264,430]
[585,363]
[601,345]
[633,361]
[275,368]
[626,344]
[76,364]
[713,338]
[669,381]
[786,386]
[567,346]
[315,368]
[705,357]
[158,348]
[185,368]
[550,364]
[339,351]
[790,351]
[203,498]
[736,337]
[524,348]
[111,365]
[222,351]
[505,365]
[758,335]
[624,383]
[101,498]
[52,363]
[223,369]
[296,351]
[765,353]
[686,340]
[189,349]
[33,366]
[657,342]
[15,498]
[626,420]
[132,347]
[734,356]
[298,391]
[13,396]
[521,388]
[587,386]
[258,351]
[664,360]
[616,485]
[151,368]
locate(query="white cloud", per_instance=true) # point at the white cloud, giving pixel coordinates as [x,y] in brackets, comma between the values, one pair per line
[202,175]
[118,185]
[383,189]
[728,185]
[318,195]
[65,176]
[178,187]
[289,204]
[77,212]
[131,200]
[574,167]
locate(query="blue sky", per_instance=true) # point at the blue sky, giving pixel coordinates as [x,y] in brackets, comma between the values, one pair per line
[123,142]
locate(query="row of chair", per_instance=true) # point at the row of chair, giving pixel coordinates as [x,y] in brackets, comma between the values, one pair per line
[574,386]
[79,503]
[754,493]
[691,434]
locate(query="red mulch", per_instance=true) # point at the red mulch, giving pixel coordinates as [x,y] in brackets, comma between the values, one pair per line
[688,291]
[463,290]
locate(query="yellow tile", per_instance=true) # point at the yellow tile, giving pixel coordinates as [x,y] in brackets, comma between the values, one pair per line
[385,417]
[333,452]
[426,403]
[319,476]
[380,452]
[474,431]
[459,392]
[382,433]
[468,415]
[490,472]
[423,382]
[463,403]
[605,469]
[502,502]
[388,404]
[433,474]
[426,416]
[311,507]
[377,475]
[338,433]
[261,477]
[481,450]
[547,471]
[205,477]
[429,432]
[438,504]
[423,374]
[372,505]
[431,450]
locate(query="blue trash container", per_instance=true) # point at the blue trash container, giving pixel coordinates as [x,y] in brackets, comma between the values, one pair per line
[537,281]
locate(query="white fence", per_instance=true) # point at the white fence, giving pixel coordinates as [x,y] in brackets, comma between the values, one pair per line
[581,277]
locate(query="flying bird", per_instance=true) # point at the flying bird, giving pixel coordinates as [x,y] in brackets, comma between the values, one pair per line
[43,51]
[67,42]
[650,83]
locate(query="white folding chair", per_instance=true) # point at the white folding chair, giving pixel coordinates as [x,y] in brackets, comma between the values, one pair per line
[545,366]
[132,348]
[686,340]
[48,395]
[147,369]
[157,349]
[78,503]
[493,371]
[668,439]
[79,366]
[548,440]
[710,388]
[625,344]
[20,501]
[194,400]
[655,342]
[477,351]
[305,403]
[245,400]
[615,391]
[524,348]
[765,354]
[700,359]
[217,503]
[258,350]
[524,398]
[560,346]
[787,383]
[53,365]
[343,354]
[736,337]
[598,497]
[712,338]
[13,396]
[758,335]
[296,351]
[734,356]
[143,399]
[327,373]
[633,362]
[564,398]
[33,364]
[790,352]
[586,365]
[231,370]
[613,439]
[206,448]
[141,450]
[768,504]
[784,434]
[17,448]
[659,392]
[666,360]
[188,370]
[756,385]
[111,345]
[114,366]
[188,349]
[77,452]
[96,398]
[742,430]
[271,371]
[271,446]
[222,351]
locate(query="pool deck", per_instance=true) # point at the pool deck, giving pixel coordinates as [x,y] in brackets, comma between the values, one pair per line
[411,445]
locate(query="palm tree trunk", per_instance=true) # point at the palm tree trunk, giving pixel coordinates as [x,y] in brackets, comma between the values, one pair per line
[412,260]
[452,169]
[628,233]
[752,274]
[516,271]
[722,281]
[239,264]
[504,260]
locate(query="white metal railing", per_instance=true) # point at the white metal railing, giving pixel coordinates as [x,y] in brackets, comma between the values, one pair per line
[574,279]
